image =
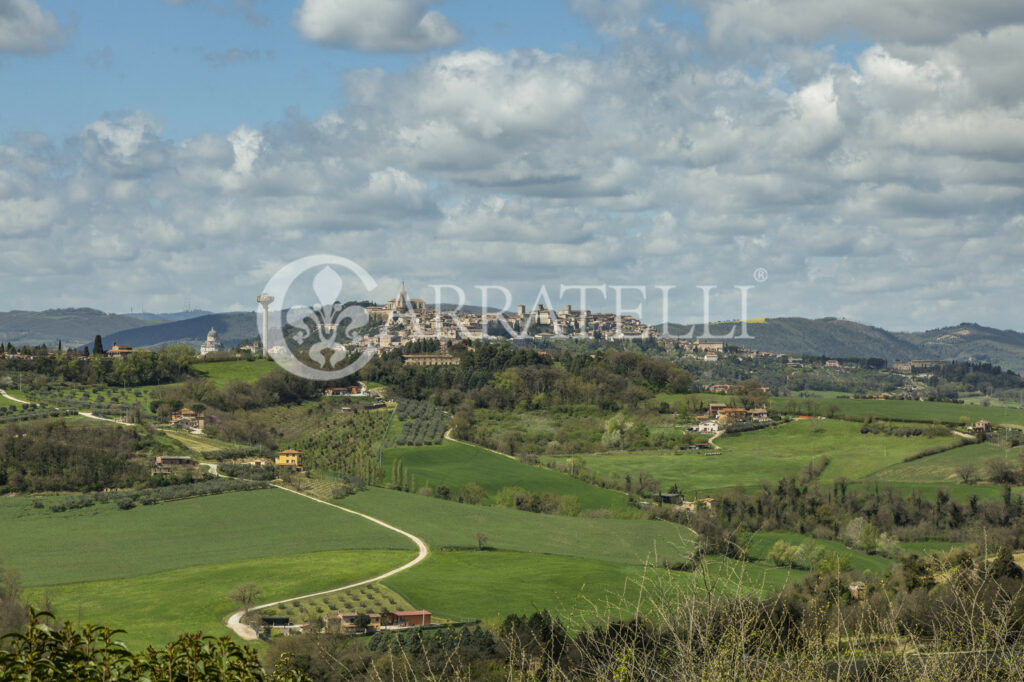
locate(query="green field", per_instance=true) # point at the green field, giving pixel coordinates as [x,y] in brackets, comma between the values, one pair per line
[444,524]
[234,370]
[905,410]
[539,561]
[491,585]
[457,464]
[928,491]
[768,455]
[761,543]
[942,467]
[156,608]
[107,542]
[162,569]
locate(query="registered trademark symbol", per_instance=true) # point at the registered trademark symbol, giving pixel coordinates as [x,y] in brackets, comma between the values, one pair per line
[760,275]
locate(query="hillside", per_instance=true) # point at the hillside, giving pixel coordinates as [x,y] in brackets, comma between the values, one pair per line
[170,317]
[971,342]
[827,336]
[837,338]
[233,328]
[73,326]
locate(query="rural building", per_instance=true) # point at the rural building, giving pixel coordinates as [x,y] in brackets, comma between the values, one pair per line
[707,427]
[711,346]
[759,415]
[290,458]
[731,414]
[711,357]
[719,388]
[670,498]
[410,619]
[343,390]
[173,460]
[715,408]
[981,426]
[858,589]
[832,363]
[117,351]
[691,506]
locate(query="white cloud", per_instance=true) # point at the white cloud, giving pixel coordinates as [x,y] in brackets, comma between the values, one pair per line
[24,216]
[375,25]
[27,28]
[733,22]
[856,186]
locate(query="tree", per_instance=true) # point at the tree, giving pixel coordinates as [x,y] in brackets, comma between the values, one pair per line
[97,345]
[245,595]
[1004,566]
[481,540]
[968,473]
[472,493]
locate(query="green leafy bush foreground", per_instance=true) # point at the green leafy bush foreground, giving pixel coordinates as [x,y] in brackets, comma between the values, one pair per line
[45,652]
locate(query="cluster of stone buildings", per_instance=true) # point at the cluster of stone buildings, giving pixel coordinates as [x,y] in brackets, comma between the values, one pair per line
[403,319]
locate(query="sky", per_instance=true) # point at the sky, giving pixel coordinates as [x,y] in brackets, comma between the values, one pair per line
[862,159]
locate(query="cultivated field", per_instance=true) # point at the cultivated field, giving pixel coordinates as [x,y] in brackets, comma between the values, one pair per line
[452,525]
[166,568]
[157,607]
[234,370]
[767,455]
[456,464]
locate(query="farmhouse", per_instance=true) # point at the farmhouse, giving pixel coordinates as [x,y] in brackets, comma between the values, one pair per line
[832,363]
[343,390]
[670,498]
[169,460]
[411,619]
[715,408]
[731,414]
[707,427]
[691,506]
[981,426]
[290,458]
[759,415]
[117,351]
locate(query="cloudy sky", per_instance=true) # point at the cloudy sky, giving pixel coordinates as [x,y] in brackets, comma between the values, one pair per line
[867,156]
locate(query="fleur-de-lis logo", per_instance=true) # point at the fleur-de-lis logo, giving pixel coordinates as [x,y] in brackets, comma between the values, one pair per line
[319,341]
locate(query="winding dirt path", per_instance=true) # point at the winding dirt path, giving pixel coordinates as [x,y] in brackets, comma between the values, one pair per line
[247,633]
[10,397]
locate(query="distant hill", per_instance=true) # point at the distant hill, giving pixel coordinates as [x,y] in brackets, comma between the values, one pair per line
[233,328]
[170,317]
[837,338]
[73,326]
[971,342]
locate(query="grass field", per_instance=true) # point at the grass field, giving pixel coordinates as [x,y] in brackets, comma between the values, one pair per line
[492,585]
[234,370]
[155,608]
[195,442]
[942,467]
[768,455]
[457,464]
[445,524]
[906,410]
[108,543]
[761,544]
[956,491]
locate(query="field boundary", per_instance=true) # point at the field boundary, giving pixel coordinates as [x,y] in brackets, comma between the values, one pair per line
[246,632]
